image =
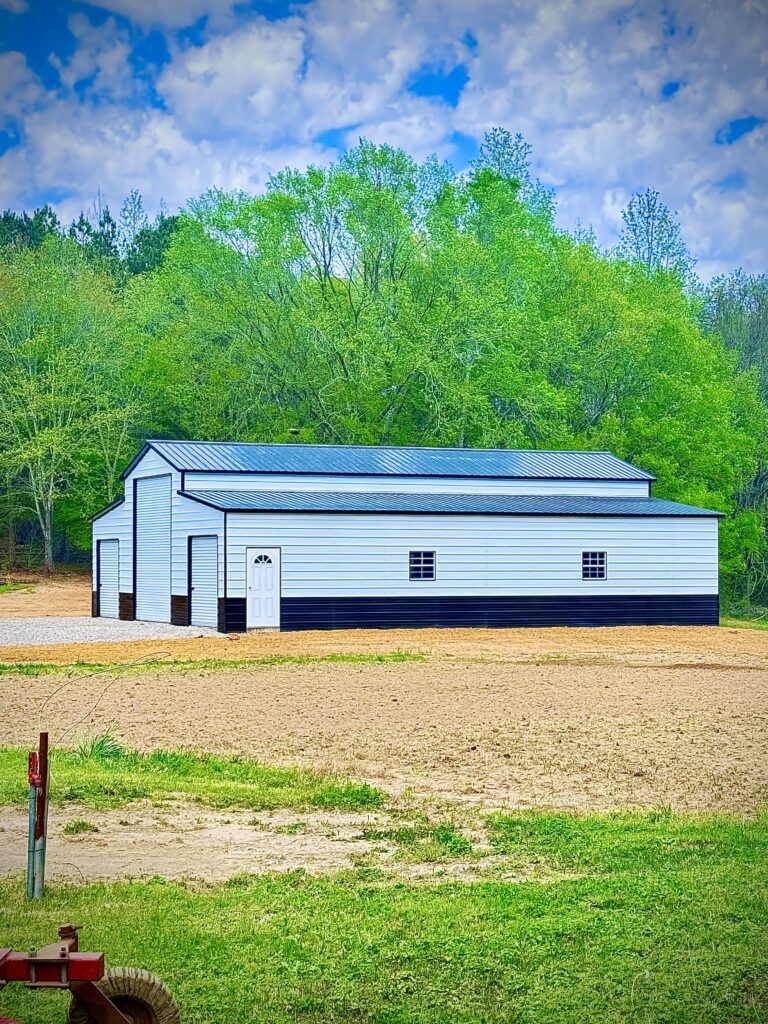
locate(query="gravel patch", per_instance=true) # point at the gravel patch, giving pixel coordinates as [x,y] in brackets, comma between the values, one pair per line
[82,629]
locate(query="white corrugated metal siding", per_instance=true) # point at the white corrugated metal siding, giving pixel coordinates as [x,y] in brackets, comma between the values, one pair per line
[334,555]
[191,518]
[116,525]
[153,548]
[204,576]
[108,577]
[416,484]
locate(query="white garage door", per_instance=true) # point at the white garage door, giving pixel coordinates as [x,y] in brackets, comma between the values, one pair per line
[204,581]
[107,568]
[153,548]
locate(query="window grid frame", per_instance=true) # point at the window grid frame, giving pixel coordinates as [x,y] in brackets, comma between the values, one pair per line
[594,565]
[422,566]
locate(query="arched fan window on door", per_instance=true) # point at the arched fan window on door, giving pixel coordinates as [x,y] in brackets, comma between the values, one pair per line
[262,560]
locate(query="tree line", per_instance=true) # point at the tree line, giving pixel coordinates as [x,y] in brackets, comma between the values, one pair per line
[376,301]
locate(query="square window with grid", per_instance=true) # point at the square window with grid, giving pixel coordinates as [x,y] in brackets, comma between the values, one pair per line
[421,565]
[594,565]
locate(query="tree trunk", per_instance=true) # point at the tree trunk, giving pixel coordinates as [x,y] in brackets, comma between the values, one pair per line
[48,538]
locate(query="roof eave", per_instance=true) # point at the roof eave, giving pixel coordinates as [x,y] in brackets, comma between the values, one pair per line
[148,446]
[602,513]
[108,508]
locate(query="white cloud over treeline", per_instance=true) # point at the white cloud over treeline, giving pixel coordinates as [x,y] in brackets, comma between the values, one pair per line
[614,96]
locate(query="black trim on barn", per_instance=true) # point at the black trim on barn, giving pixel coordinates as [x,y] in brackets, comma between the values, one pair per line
[223,603]
[189,581]
[414,612]
[109,508]
[179,610]
[97,582]
[232,615]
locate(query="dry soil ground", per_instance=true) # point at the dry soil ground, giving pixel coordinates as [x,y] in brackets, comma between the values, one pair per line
[566,718]
[67,593]
[495,733]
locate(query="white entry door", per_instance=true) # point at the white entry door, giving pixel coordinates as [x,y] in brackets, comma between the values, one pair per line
[263,582]
[203,581]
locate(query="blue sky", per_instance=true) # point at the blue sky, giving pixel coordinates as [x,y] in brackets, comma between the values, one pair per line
[175,96]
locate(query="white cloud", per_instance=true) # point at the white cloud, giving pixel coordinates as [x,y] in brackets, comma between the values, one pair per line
[14,6]
[20,89]
[243,83]
[585,89]
[100,60]
[582,82]
[172,14]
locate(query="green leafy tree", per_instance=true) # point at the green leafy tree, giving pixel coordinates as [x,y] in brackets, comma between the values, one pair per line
[381,300]
[97,236]
[365,303]
[148,248]
[132,221]
[20,230]
[736,308]
[651,236]
[63,412]
[509,156]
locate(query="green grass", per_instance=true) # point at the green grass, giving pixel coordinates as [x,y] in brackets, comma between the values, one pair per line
[628,841]
[737,623]
[423,842]
[79,827]
[8,588]
[88,668]
[121,776]
[665,923]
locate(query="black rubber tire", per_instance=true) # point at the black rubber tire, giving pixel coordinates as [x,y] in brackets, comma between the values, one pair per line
[132,989]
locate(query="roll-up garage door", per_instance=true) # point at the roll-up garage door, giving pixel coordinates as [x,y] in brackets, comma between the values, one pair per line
[107,568]
[153,548]
[204,579]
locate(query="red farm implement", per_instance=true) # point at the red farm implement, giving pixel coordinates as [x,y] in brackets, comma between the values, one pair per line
[122,995]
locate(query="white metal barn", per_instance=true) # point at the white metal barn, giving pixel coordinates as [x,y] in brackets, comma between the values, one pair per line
[284,536]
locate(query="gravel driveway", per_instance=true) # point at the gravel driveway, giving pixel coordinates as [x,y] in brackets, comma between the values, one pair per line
[82,629]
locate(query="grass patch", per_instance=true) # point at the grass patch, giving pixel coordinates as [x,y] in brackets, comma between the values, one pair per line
[650,842]
[9,588]
[90,668]
[78,827]
[423,842]
[649,933]
[114,779]
[737,623]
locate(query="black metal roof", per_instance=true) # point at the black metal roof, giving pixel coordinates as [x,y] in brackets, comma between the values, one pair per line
[370,460]
[442,504]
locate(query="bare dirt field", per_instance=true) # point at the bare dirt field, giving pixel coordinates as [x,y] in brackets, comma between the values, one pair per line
[570,718]
[64,593]
[641,645]
[182,841]
[552,734]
